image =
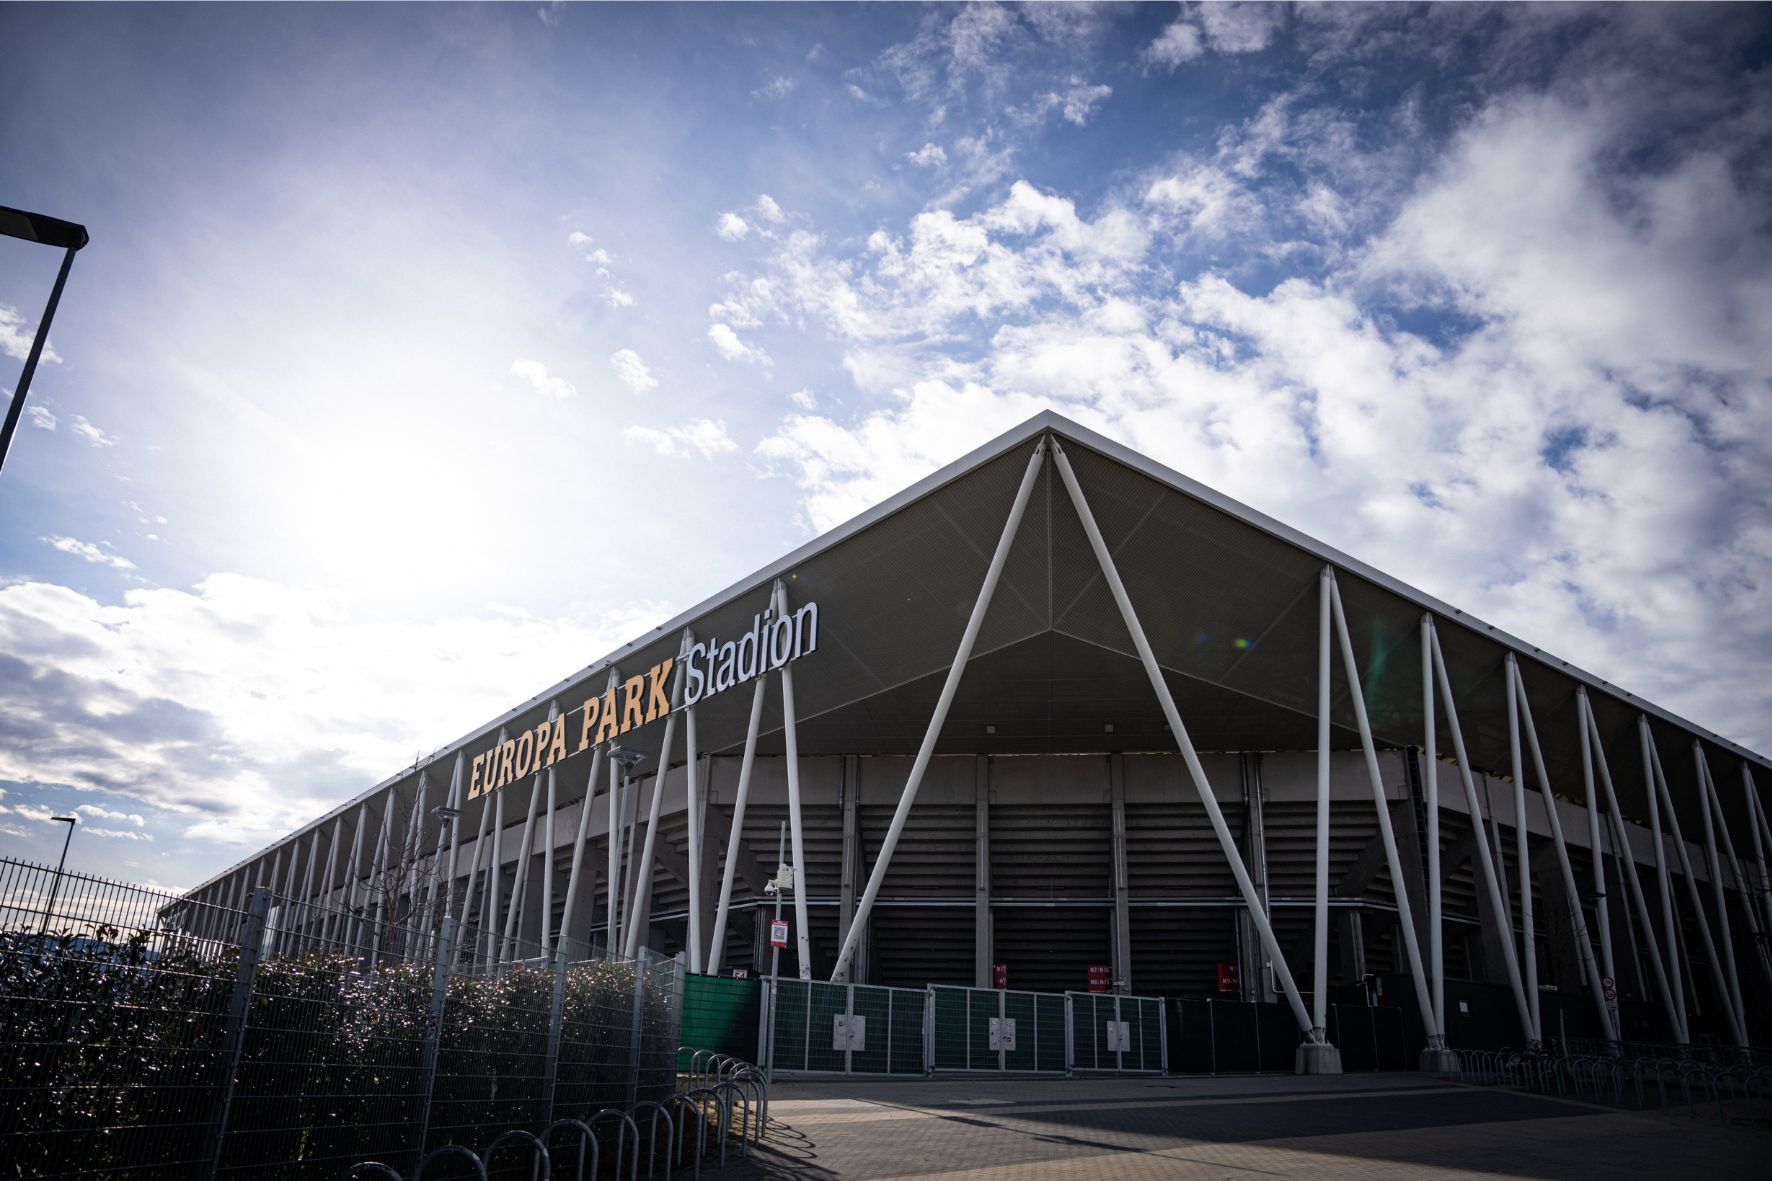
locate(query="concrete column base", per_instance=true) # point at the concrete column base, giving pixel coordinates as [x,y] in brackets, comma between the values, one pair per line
[1439,1062]
[1317,1059]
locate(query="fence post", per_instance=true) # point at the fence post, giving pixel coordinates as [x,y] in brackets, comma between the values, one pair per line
[634,1035]
[446,941]
[1163,1036]
[556,1017]
[252,935]
[1070,1035]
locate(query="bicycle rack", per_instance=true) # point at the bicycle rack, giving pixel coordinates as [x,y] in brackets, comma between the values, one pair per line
[628,1121]
[698,1111]
[658,1110]
[538,1150]
[744,1127]
[587,1137]
[450,1150]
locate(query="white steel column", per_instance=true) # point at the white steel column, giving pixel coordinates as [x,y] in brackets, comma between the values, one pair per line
[643,871]
[351,920]
[375,889]
[325,898]
[1320,911]
[1189,755]
[717,948]
[1670,995]
[1664,880]
[1431,776]
[790,737]
[467,900]
[290,912]
[1480,840]
[1708,793]
[1756,820]
[1710,946]
[949,687]
[1583,943]
[611,936]
[578,851]
[1602,913]
[692,803]
[495,874]
[1405,920]
[307,887]
[547,857]
[452,829]
[520,875]
[1529,948]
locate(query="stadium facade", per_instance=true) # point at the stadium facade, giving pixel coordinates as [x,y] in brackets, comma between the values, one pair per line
[1058,708]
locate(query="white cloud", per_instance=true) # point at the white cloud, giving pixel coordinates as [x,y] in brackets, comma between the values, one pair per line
[732,348]
[16,336]
[731,227]
[118,834]
[632,371]
[1076,103]
[41,418]
[97,812]
[89,552]
[615,297]
[541,381]
[804,399]
[91,433]
[1241,27]
[583,243]
[704,437]
[249,707]
[1180,42]
[768,210]
[930,155]
[779,86]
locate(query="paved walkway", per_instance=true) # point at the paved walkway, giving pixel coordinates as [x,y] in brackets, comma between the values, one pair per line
[1352,1126]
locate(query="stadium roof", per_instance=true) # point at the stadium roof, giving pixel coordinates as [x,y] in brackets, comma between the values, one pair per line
[1226,594]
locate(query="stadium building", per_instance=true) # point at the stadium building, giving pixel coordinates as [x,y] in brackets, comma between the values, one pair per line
[1058,714]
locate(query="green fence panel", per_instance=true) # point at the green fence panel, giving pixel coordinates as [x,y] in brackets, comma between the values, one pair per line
[1049,1032]
[950,1049]
[1236,1037]
[981,1008]
[1280,1037]
[904,1039]
[1190,1037]
[829,1001]
[873,1005]
[1351,1031]
[1023,1008]
[720,1014]
[788,1046]
[1392,1039]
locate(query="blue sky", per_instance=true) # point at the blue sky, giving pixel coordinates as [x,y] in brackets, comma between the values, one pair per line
[422,354]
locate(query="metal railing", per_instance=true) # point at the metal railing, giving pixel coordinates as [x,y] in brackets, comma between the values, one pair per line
[150,1036]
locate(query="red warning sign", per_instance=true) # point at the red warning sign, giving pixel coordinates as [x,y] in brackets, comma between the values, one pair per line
[778,933]
[1101,978]
[1227,978]
[999,975]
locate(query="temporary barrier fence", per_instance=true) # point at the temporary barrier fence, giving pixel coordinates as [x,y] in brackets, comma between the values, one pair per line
[815,1027]
[1117,1034]
[1247,1037]
[997,1030]
[136,1046]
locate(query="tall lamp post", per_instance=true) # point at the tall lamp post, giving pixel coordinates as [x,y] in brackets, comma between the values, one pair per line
[628,757]
[51,231]
[56,882]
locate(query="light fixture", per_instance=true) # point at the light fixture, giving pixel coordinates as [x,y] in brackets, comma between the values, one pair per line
[63,235]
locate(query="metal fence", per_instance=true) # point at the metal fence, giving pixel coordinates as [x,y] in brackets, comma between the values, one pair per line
[991,1029]
[147,1036]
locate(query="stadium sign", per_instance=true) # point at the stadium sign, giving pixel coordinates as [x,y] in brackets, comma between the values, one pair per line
[709,667]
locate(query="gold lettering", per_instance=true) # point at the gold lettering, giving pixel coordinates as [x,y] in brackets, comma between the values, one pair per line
[658,702]
[505,751]
[633,713]
[525,752]
[592,707]
[610,726]
[474,779]
[557,747]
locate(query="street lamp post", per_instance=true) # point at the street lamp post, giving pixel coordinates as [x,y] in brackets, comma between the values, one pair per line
[629,757]
[51,231]
[56,882]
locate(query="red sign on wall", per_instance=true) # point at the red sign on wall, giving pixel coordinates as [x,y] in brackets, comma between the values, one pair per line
[1227,978]
[999,975]
[1101,978]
